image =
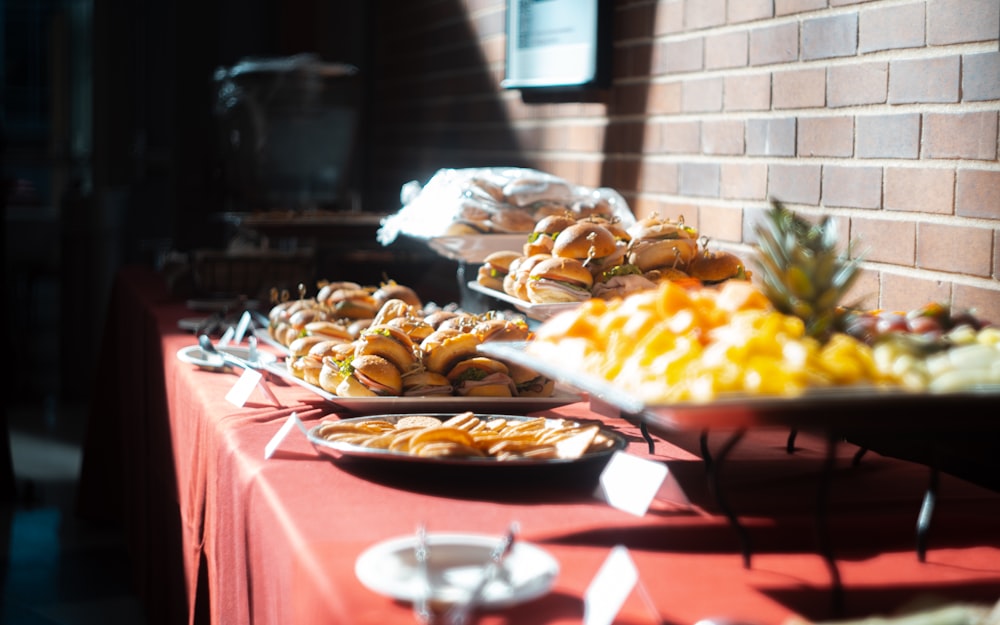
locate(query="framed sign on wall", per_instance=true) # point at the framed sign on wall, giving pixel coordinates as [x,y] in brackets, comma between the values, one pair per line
[557,44]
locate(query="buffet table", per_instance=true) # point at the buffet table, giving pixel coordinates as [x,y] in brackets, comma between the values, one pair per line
[219,534]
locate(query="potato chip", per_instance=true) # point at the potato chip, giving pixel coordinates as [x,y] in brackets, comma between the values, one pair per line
[417,421]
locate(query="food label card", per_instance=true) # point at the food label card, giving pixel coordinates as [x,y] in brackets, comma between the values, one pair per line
[630,483]
[610,587]
[240,393]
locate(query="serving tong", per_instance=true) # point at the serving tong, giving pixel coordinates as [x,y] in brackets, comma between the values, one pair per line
[458,613]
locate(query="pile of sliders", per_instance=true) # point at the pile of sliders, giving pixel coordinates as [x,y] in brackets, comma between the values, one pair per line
[401,349]
[469,436]
[567,259]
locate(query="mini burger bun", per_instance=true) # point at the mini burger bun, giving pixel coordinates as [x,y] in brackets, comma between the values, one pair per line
[491,378]
[530,383]
[659,228]
[649,254]
[444,348]
[715,266]
[495,268]
[394,290]
[583,240]
[376,373]
[559,280]
[388,342]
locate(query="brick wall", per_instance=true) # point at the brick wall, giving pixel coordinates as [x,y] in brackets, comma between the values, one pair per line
[882,113]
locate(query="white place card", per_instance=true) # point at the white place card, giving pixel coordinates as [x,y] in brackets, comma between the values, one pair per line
[240,393]
[610,587]
[291,422]
[630,483]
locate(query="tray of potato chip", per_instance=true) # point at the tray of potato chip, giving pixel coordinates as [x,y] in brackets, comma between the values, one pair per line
[467,439]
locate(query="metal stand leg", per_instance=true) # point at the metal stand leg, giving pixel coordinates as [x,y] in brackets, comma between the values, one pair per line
[823,530]
[927,512]
[790,444]
[706,453]
[646,436]
[858,455]
[713,481]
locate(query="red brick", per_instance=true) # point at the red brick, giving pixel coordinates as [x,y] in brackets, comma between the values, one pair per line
[884,240]
[920,189]
[960,21]
[676,57]
[585,138]
[955,249]
[963,135]
[850,85]
[852,187]
[888,28]
[983,302]
[980,74]
[798,184]
[924,80]
[657,177]
[632,61]
[904,293]
[804,88]
[743,181]
[630,99]
[664,98]
[749,10]
[864,293]
[703,95]
[632,21]
[704,13]
[699,179]
[830,37]
[996,258]
[888,136]
[726,50]
[793,7]
[669,17]
[681,137]
[771,137]
[826,136]
[747,92]
[722,137]
[720,223]
[774,44]
[977,193]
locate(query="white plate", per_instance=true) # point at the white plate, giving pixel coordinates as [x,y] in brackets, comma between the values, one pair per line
[454,565]
[195,356]
[539,312]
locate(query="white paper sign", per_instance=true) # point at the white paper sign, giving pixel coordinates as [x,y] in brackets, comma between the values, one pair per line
[630,483]
[279,436]
[610,587]
[240,392]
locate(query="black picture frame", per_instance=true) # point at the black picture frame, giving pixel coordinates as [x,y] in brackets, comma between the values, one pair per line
[558,44]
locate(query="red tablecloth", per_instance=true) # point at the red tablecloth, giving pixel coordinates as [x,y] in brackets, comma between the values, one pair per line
[221,535]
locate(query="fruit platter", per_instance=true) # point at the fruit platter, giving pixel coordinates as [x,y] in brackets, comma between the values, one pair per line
[780,351]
